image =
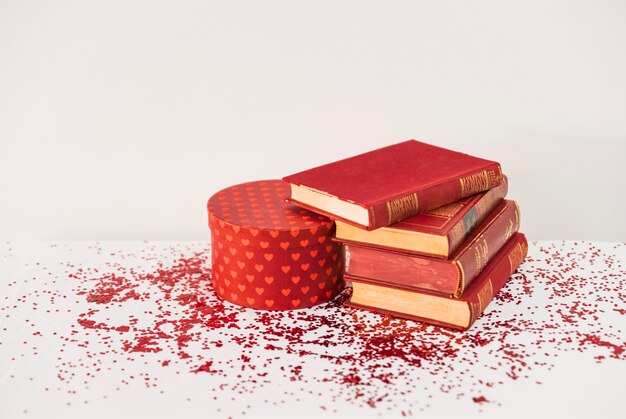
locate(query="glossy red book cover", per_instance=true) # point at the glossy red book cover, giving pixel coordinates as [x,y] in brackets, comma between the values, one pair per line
[455,221]
[447,276]
[479,294]
[400,181]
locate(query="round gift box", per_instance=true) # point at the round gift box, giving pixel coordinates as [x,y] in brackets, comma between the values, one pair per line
[269,254]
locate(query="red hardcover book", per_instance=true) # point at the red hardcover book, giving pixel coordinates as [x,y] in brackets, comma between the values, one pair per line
[437,233]
[457,313]
[391,184]
[447,276]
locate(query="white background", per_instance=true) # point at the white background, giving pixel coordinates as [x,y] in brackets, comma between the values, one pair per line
[119,119]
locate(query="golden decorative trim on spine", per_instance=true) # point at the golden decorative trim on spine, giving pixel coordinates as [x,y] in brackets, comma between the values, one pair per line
[446,211]
[402,208]
[513,225]
[485,295]
[478,182]
[460,285]
[516,256]
[481,253]
[474,313]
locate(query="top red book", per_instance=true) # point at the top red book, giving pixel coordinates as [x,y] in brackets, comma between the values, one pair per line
[393,183]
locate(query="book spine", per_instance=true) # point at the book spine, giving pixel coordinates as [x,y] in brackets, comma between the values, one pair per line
[486,243]
[401,269]
[503,267]
[417,202]
[476,215]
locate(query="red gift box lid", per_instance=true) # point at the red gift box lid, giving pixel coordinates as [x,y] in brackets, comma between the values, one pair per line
[257,215]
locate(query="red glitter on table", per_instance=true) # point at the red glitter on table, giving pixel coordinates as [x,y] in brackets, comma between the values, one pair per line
[104,325]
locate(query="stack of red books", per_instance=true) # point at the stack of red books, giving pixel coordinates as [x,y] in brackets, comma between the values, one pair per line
[427,232]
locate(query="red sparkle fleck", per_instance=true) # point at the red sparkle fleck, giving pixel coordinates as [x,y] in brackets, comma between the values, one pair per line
[480,399]
[206,367]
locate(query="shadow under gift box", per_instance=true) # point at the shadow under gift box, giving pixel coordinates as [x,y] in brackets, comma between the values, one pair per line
[270,254]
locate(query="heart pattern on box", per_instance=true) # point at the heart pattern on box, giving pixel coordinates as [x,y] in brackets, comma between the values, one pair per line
[269,254]
[285,282]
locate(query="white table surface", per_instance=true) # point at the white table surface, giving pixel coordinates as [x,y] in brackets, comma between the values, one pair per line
[121,329]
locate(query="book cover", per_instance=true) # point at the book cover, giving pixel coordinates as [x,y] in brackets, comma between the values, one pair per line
[447,276]
[457,313]
[437,233]
[393,183]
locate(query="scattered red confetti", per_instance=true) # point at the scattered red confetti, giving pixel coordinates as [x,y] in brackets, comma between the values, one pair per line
[618,350]
[206,367]
[480,399]
[165,314]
